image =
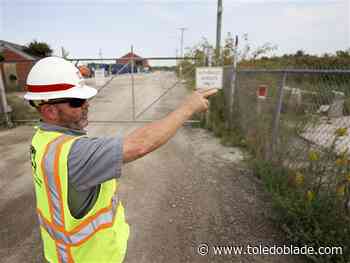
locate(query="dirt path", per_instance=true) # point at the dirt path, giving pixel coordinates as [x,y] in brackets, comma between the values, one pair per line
[191,191]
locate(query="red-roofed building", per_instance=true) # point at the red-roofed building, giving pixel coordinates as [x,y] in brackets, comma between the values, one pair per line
[15,74]
[139,61]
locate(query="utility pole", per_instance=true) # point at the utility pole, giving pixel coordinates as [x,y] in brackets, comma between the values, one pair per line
[64,53]
[182,47]
[182,40]
[218,30]
[98,66]
[100,54]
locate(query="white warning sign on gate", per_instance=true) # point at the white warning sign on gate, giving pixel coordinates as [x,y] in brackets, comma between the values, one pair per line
[209,78]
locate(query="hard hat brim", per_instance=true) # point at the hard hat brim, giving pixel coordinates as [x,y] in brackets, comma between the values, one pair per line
[80,92]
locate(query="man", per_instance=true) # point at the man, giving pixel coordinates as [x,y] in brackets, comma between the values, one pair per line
[75,177]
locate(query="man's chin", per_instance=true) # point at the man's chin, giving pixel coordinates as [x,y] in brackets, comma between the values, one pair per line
[83,124]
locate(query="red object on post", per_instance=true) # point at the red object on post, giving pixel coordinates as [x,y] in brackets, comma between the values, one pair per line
[262,92]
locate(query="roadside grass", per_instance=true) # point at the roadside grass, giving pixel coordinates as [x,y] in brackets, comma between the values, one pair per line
[309,218]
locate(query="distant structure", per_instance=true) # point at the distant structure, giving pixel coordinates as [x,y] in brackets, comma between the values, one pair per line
[141,64]
[122,65]
[15,73]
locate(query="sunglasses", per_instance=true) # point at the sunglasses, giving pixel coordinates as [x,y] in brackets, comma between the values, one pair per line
[73,102]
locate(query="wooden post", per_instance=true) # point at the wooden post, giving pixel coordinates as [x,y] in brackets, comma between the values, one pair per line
[4,108]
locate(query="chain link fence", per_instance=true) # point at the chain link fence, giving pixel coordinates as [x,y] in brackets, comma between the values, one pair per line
[285,113]
[295,124]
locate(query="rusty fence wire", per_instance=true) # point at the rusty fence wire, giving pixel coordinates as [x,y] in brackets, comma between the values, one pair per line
[285,113]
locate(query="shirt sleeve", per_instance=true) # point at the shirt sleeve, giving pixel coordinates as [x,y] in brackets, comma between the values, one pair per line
[92,161]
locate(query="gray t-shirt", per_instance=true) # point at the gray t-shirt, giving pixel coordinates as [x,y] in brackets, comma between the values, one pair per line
[91,161]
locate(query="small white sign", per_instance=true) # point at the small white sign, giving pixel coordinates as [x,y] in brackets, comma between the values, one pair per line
[100,77]
[209,78]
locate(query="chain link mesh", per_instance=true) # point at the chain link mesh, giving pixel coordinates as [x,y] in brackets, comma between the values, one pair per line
[302,110]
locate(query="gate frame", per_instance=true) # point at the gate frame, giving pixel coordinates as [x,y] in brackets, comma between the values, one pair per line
[132,61]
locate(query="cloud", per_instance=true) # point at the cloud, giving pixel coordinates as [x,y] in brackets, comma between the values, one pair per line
[1,17]
[153,25]
[317,13]
[165,14]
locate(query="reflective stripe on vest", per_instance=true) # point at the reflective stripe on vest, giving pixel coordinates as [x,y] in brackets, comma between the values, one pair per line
[56,226]
[63,253]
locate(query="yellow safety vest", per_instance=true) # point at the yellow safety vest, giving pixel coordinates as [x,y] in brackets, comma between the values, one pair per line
[101,235]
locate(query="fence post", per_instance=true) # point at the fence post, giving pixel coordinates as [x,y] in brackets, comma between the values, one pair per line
[276,118]
[233,89]
[4,108]
[207,113]
[133,89]
[205,57]
[233,82]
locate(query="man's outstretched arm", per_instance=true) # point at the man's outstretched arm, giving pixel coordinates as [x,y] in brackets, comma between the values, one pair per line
[150,137]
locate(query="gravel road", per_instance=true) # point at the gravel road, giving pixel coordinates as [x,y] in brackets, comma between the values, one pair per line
[192,191]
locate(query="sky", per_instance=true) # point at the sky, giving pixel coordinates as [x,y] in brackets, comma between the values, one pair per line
[84,28]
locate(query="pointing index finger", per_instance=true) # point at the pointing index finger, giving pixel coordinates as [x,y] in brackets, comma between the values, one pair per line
[209,92]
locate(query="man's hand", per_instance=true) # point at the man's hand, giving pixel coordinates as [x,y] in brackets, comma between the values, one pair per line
[198,101]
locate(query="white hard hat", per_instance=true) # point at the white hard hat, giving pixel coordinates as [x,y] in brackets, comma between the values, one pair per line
[54,78]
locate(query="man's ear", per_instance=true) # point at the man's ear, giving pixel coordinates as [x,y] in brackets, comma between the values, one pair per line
[49,112]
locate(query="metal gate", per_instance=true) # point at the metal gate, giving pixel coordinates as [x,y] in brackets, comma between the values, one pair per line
[131,70]
[182,71]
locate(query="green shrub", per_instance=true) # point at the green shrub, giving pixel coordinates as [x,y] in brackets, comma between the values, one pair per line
[12,77]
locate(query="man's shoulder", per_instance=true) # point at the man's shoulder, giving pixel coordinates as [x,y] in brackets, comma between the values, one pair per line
[95,147]
[49,127]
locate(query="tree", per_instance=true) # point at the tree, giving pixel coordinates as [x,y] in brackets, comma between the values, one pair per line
[244,52]
[228,50]
[248,53]
[300,53]
[39,49]
[264,49]
[343,54]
